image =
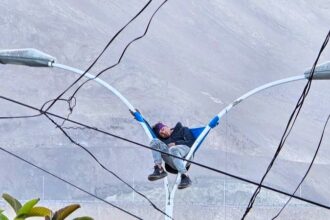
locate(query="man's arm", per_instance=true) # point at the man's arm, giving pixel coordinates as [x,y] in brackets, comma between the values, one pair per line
[188,138]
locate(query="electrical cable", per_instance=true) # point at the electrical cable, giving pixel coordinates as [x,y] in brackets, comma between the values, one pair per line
[174,156]
[124,51]
[288,128]
[306,173]
[20,117]
[120,58]
[68,182]
[98,57]
[104,167]
[91,154]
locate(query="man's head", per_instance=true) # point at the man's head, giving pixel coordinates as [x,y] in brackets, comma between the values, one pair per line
[162,130]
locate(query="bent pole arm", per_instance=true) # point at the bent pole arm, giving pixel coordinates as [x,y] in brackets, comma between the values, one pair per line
[138,115]
[214,122]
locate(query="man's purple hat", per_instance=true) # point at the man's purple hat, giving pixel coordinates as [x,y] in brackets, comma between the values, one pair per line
[157,127]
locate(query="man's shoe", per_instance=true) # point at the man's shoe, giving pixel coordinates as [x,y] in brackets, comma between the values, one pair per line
[158,173]
[185,182]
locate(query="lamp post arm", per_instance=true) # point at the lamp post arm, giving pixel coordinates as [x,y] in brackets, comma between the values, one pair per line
[217,118]
[107,86]
[259,89]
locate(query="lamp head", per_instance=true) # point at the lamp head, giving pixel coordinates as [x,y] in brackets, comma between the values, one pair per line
[27,57]
[322,71]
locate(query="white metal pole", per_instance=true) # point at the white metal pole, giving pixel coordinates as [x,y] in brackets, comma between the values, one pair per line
[107,86]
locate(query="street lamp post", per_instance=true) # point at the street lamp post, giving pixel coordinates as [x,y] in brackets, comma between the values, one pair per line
[36,58]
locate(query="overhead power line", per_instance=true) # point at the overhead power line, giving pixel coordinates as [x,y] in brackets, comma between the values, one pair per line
[69,183]
[306,173]
[124,51]
[104,167]
[289,126]
[90,153]
[105,48]
[190,161]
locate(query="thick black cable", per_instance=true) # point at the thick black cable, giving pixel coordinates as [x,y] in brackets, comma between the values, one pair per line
[306,173]
[90,153]
[103,166]
[288,128]
[68,182]
[121,56]
[21,117]
[68,101]
[98,57]
[174,156]
[123,53]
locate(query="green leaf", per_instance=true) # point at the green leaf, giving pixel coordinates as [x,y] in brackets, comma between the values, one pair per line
[40,211]
[27,207]
[65,212]
[83,218]
[36,212]
[14,203]
[2,216]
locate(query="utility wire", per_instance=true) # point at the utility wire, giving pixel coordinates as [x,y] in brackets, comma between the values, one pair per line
[103,166]
[20,117]
[124,51]
[104,49]
[90,153]
[174,156]
[120,58]
[93,156]
[68,182]
[288,128]
[309,168]
[71,103]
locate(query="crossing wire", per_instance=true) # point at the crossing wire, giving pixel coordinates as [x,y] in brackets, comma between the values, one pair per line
[119,60]
[306,173]
[106,47]
[103,166]
[288,128]
[68,182]
[174,156]
[91,154]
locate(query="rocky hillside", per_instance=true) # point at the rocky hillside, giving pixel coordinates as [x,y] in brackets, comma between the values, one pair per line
[196,58]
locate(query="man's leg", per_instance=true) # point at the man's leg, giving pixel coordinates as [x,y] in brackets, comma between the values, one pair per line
[180,151]
[158,145]
[159,172]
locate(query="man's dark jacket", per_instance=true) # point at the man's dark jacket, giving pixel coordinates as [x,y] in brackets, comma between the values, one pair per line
[180,136]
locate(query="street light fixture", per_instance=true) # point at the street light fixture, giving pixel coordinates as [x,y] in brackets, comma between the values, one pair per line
[27,57]
[36,58]
[321,71]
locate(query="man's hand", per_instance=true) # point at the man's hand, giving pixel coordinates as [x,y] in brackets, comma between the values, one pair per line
[171,144]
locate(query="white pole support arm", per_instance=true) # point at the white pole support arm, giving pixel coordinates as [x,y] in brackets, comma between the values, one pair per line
[137,114]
